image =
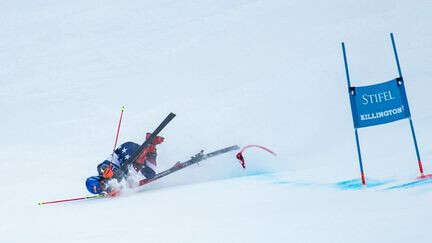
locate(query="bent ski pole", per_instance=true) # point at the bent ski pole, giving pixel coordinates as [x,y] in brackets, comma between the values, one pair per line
[240,157]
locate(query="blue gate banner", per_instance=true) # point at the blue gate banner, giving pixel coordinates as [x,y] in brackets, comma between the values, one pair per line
[379,104]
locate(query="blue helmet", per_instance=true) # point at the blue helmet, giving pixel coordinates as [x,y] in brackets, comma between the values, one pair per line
[93,184]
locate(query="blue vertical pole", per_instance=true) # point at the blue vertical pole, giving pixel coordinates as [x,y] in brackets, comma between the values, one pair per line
[355,129]
[360,157]
[410,120]
[396,55]
[346,66]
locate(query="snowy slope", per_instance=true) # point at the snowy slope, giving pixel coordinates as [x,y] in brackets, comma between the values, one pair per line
[234,72]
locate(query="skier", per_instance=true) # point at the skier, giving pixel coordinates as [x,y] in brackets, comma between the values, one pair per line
[115,167]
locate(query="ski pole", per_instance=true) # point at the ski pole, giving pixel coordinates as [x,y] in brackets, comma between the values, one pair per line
[73,199]
[118,127]
[117,135]
[240,154]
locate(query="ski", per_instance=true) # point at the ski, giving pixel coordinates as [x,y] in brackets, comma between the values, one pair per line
[193,160]
[147,142]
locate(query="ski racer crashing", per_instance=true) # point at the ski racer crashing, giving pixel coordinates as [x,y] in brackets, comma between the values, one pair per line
[115,168]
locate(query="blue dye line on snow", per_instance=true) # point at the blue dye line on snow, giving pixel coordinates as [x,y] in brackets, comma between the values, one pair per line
[356,184]
[420,182]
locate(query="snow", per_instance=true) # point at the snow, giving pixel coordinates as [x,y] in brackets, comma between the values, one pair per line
[235,72]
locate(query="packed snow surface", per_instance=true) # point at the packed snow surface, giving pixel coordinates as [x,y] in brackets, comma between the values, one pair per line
[235,72]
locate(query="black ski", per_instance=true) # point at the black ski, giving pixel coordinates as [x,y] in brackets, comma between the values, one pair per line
[147,142]
[194,159]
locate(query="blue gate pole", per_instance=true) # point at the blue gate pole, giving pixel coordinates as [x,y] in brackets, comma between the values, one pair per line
[355,129]
[410,120]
